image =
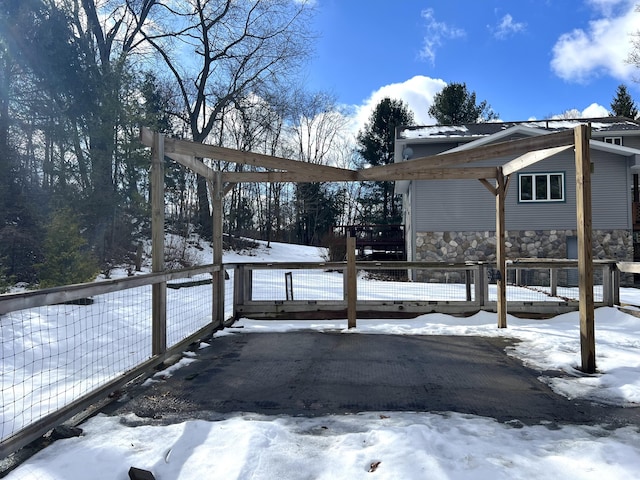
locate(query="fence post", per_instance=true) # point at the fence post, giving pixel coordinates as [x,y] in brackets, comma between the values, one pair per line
[352,288]
[467,282]
[616,284]
[582,133]
[481,285]
[501,281]
[238,289]
[218,276]
[158,290]
[607,285]
[553,281]
[288,285]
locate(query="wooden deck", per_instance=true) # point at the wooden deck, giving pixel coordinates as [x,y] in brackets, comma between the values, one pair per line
[376,242]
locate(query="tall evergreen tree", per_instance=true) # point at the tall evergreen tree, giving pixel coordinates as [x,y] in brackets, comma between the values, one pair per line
[317,210]
[623,105]
[376,146]
[455,105]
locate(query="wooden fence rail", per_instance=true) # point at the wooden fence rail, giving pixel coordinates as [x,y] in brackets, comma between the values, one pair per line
[475,276]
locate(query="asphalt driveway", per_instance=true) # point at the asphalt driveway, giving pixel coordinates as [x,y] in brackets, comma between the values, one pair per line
[311,373]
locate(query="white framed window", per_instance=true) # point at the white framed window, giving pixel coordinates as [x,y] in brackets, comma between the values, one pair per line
[613,140]
[541,187]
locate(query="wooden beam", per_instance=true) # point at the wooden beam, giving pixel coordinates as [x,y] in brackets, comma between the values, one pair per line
[277,177]
[185,147]
[488,186]
[227,188]
[485,152]
[426,168]
[585,249]
[531,158]
[474,173]
[192,164]
[470,173]
[629,267]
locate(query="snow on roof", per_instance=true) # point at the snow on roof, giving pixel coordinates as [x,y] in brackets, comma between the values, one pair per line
[607,124]
[564,124]
[433,131]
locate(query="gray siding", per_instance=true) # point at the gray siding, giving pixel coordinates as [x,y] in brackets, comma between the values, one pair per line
[425,150]
[611,192]
[465,205]
[631,142]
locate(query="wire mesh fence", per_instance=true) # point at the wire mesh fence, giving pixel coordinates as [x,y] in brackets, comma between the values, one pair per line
[189,306]
[229,293]
[445,283]
[54,355]
[434,285]
[297,284]
[548,284]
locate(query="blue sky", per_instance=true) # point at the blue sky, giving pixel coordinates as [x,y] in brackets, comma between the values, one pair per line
[527,58]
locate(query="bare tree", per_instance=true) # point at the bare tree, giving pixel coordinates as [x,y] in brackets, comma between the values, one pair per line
[634,54]
[317,125]
[219,51]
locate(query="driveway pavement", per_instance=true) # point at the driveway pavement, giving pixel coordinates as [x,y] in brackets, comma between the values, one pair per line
[311,373]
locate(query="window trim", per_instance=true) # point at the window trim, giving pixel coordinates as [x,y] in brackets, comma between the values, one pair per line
[533,175]
[613,140]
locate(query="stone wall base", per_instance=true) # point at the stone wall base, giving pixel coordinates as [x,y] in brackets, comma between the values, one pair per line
[458,247]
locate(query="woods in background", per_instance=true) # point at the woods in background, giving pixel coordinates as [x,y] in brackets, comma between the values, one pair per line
[79,78]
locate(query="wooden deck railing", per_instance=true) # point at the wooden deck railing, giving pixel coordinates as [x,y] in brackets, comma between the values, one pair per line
[555,294]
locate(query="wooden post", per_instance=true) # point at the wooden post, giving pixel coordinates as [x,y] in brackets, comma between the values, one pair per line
[607,285]
[501,250]
[553,281]
[217,304]
[616,284]
[352,286]
[481,287]
[238,290]
[467,283]
[288,285]
[158,290]
[582,134]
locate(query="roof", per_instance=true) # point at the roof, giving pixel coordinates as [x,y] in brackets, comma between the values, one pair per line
[601,126]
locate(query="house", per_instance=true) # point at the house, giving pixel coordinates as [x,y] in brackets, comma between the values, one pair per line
[454,220]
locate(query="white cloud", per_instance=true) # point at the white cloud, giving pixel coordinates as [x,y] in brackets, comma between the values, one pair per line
[436,33]
[603,48]
[507,27]
[417,93]
[592,111]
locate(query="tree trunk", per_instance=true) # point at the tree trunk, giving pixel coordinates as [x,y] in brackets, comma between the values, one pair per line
[205,219]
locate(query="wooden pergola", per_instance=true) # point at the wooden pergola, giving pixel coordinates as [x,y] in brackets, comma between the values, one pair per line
[453,165]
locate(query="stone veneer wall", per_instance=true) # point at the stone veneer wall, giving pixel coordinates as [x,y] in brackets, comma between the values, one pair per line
[458,247]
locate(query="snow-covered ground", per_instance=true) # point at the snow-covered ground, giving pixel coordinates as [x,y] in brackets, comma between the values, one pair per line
[389,445]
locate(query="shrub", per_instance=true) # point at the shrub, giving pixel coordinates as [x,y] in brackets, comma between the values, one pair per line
[68,259]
